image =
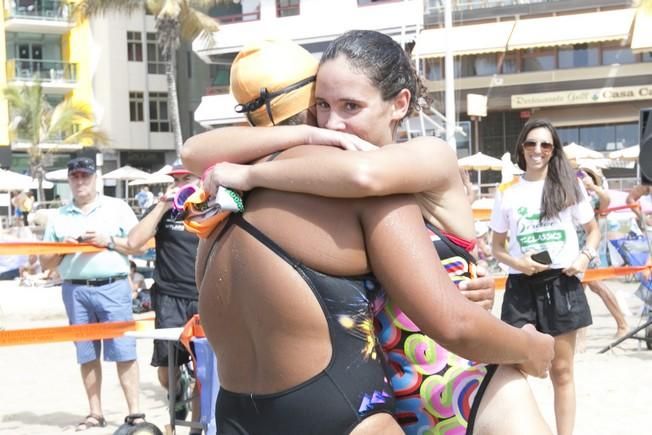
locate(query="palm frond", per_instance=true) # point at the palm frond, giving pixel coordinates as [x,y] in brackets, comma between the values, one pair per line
[197,24]
[66,115]
[154,6]
[26,106]
[15,97]
[88,134]
[84,9]
[170,9]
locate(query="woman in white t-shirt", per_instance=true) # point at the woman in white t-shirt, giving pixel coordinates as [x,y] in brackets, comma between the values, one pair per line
[540,212]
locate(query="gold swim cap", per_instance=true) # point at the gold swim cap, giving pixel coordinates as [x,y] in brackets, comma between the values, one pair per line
[273,80]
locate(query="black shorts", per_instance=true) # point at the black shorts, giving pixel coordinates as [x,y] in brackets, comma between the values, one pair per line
[553,302]
[171,312]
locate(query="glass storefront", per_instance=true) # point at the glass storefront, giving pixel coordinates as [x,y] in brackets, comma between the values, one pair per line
[601,137]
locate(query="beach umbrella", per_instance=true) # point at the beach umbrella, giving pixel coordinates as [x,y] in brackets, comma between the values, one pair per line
[629,153]
[159,177]
[574,151]
[10,180]
[480,162]
[152,179]
[58,175]
[164,170]
[125,173]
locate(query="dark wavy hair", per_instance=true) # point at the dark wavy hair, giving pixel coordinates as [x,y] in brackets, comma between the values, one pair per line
[560,189]
[382,60]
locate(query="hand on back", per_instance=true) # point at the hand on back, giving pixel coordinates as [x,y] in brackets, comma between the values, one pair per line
[229,175]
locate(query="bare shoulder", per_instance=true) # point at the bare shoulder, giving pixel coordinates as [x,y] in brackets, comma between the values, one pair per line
[432,147]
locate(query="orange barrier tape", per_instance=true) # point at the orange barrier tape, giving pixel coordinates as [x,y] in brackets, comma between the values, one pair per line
[192,329]
[606,211]
[41,248]
[589,275]
[482,214]
[92,331]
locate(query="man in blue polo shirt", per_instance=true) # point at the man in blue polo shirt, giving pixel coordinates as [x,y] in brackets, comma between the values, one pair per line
[95,286]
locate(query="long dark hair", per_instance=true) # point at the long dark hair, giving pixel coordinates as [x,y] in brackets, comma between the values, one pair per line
[560,188]
[382,60]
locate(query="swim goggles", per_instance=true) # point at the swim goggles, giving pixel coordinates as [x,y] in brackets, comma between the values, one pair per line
[202,213]
[182,194]
[265,99]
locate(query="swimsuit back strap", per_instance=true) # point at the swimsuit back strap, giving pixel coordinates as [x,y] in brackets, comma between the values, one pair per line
[227,225]
[240,221]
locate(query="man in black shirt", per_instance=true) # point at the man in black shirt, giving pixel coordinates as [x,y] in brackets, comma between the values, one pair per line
[174,292]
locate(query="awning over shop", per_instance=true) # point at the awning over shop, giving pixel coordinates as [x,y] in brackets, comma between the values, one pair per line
[642,32]
[473,39]
[572,29]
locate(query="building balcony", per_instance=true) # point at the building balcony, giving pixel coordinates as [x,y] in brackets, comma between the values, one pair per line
[34,16]
[54,76]
[482,10]
[316,25]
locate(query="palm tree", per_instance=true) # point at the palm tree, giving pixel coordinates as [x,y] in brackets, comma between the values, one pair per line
[36,122]
[176,20]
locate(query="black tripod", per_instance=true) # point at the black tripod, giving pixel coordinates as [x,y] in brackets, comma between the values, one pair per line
[647,326]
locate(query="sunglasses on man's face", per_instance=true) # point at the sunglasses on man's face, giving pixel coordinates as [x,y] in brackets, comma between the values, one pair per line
[545,146]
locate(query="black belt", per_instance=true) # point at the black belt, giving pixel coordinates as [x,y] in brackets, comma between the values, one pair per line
[96,282]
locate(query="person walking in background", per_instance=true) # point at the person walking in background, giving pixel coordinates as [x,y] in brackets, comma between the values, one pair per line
[17,202]
[26,206]
[136,280]
[145,199]
[599,198]
[95,287]
[174,292]
[539,211]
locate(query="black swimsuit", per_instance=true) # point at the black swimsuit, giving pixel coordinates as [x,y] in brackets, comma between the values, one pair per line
[351,388]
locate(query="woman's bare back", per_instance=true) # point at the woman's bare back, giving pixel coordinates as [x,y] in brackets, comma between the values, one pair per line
[271,330]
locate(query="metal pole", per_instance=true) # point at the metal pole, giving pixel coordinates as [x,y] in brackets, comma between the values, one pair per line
[449,79]
[476,134]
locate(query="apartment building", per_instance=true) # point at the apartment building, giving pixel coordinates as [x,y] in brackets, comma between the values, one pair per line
[311,23]
[38,41]
[131,93]
[585,65]
[112,63]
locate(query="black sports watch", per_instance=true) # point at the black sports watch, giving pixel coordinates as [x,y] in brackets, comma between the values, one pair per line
[111,245]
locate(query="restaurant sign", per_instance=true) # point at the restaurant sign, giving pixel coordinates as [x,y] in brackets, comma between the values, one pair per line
[584,96]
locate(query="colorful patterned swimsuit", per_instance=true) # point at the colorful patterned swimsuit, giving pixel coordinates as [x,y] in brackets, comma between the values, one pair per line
[437,392]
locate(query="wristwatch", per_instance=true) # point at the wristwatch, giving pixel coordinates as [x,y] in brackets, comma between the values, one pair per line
[111,245]
[589,252]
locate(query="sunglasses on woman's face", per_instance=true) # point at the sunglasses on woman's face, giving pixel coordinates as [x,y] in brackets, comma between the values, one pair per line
[545,146]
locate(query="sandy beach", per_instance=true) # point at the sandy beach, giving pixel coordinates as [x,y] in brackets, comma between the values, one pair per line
[42,391]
